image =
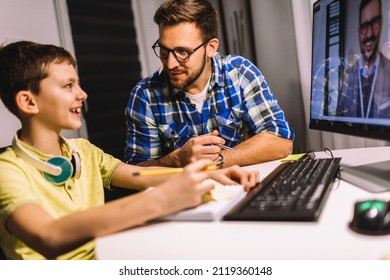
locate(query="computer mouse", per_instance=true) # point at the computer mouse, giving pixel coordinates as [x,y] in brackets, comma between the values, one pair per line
[371,217]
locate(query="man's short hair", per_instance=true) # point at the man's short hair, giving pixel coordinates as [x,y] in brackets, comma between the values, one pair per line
[200,12]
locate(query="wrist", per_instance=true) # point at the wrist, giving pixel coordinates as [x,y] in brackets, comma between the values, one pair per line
[220,161]
[176,158]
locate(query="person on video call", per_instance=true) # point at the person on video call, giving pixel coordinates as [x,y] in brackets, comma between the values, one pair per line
[50,214]
[366,87]
[200,99]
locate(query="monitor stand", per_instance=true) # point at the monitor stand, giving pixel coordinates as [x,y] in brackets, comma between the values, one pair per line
[373,177]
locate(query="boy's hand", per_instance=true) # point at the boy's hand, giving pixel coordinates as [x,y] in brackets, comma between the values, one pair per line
[185,190]
[236,175]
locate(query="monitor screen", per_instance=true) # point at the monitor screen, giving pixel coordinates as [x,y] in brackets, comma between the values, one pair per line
[350,82]
[350,91]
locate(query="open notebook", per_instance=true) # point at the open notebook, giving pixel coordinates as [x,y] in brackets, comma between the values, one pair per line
[215,204]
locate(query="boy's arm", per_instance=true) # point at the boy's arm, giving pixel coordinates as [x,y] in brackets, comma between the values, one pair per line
[123,176]
[53,237]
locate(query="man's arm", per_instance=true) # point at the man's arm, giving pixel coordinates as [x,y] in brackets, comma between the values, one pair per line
[273,136]
[259,148]
[169,160]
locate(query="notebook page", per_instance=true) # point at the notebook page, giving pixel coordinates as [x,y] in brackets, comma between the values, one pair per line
[215,204]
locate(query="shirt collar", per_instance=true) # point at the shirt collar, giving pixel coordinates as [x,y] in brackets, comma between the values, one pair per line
[66,148]
[217,75]
[363,69]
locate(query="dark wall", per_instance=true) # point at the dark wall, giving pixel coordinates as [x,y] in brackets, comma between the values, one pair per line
[108,65]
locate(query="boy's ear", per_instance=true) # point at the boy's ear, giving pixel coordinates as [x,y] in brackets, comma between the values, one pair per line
[25,100]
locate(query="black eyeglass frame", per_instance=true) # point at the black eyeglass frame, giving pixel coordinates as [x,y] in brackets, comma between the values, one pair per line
[374,22]
[173,51]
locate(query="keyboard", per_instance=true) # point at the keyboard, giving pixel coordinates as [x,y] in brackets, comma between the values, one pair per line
[294,191]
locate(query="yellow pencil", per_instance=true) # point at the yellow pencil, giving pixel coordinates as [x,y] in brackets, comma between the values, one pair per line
[167,171]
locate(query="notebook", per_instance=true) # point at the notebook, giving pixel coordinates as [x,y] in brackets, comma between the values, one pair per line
[215,204]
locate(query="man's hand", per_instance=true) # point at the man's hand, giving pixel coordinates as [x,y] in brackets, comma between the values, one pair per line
[201,147]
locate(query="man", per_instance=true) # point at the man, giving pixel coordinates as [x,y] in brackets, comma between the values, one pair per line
[366,87]
[200,99]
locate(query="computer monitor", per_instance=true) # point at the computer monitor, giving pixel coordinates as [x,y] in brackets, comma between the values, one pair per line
[350,82]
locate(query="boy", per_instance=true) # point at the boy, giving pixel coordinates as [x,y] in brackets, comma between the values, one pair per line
[51,189]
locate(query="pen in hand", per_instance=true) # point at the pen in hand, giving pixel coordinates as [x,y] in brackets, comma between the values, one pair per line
[167,171]
[224,147]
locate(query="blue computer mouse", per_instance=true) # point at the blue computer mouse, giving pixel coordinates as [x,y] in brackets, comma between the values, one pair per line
[371,217]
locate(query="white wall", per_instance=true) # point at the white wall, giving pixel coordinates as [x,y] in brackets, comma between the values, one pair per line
[34,21]
[277,59]
[301,11]
[29,20]
[147,34]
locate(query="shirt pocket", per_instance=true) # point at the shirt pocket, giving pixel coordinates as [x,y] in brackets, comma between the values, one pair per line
[173,136]
[230,125]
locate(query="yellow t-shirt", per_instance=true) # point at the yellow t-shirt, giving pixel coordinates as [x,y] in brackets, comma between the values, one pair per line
[22,183]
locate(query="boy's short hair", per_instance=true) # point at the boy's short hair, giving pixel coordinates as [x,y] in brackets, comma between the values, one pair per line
[23,65]
[200,12]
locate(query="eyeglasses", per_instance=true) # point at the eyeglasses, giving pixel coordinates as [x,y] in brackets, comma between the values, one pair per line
[180,54]
[373,23]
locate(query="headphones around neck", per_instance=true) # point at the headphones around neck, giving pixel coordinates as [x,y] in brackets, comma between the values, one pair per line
[56,170]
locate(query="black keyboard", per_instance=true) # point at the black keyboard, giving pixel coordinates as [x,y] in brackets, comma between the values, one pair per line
[294,191]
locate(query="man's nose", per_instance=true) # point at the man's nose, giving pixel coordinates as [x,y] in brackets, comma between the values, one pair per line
[172,61]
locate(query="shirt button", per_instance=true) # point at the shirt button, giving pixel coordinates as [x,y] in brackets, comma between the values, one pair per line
[69,187]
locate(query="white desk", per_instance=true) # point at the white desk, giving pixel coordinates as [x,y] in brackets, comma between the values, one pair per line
[328,238]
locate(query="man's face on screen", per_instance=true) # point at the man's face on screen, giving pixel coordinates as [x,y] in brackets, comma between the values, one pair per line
[369,30]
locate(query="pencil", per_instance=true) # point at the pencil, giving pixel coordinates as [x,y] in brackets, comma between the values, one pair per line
[167,171]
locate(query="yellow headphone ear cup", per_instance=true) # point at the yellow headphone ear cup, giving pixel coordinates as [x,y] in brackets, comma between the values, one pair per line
[66,170]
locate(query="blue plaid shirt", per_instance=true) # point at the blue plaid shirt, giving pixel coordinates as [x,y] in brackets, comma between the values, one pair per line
[239,104]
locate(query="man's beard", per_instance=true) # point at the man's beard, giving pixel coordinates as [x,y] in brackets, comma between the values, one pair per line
[181,85]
